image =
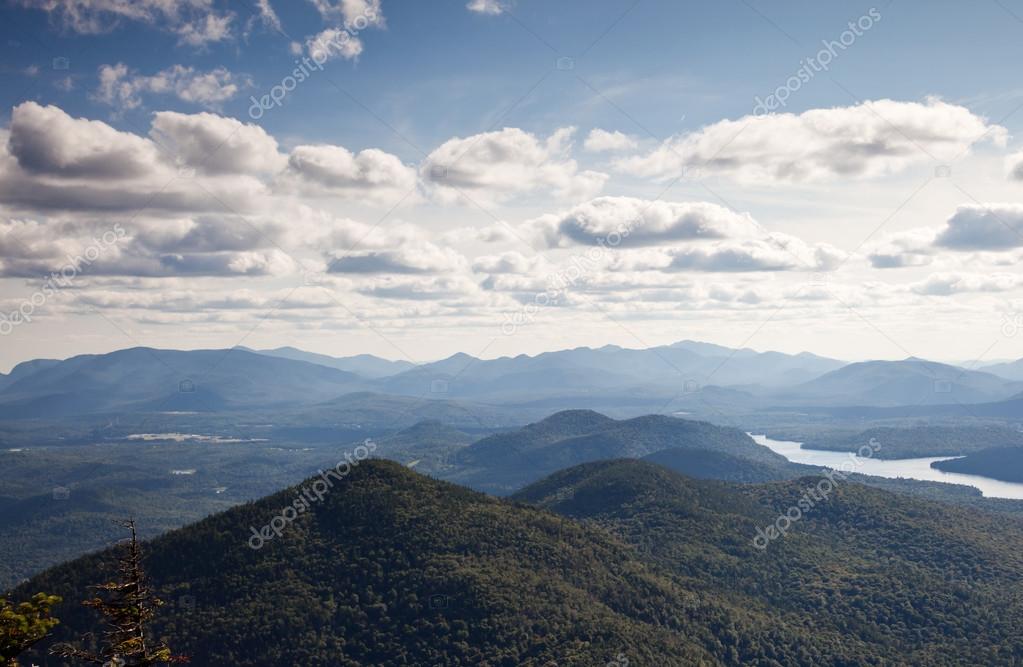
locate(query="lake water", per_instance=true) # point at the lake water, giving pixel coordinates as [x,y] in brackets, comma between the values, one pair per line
[893,469]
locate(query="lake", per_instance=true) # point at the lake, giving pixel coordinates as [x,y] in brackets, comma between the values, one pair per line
[891,468]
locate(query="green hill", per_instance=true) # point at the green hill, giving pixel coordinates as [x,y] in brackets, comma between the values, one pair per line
[394,568]
[1004,463]
[505,462]
[874,577]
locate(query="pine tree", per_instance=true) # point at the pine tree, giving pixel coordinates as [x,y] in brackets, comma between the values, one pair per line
[128,607]
[24,625]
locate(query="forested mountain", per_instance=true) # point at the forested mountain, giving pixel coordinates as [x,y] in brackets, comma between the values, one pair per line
[923,440]
[1004,463]
[710,464]
[504,462]
[868,576]
[394,568]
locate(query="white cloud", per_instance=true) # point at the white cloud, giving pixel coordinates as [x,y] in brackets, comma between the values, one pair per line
[777,253]
[868,140]
[342,40]
[494,233]
[639,222]
[336,170]
[350,11]
[688,236]
[267,14]
[46,140]
[124,89]
[208,246]
[195,22]
[1015,166]
[205,30]
[599,141]
[508,262]
[369,10]
[903,249]
[494,166]
[423,257]
[334,43]
[214,144]
[352,247]
[988,227]
[492,7]
[50,161]
[947,284]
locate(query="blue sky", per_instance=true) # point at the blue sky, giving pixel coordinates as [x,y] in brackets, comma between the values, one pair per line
[882,194]
[439,71]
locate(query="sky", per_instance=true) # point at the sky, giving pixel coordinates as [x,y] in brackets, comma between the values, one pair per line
[499,177]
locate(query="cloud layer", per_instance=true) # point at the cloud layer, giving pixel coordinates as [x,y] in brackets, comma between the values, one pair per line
[868,140]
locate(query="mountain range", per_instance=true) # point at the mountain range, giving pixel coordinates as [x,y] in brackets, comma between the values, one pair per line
[685,376]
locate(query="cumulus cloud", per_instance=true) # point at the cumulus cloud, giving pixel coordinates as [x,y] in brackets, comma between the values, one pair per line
[50,161]
[639,222]
[334,43]
[124,89]
[494,166]
[492,7]
[778,253]
[426,288]
[599,141]
[352,247]
[1015,166]
[46,140]
[213,144]
[342,40]
[494,233]
[508,262]
[422,258]
[153,248]
[348,11]
[687,236]
[903,249]
[988,227]
[947,284]
[336,170]
[868,140]
[205,30]
[195,22]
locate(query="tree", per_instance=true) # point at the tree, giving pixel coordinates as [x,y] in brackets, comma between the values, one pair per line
[127,608]
[24,625]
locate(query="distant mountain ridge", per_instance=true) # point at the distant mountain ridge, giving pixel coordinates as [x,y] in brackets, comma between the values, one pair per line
[686,376]
[908,382]
[611,368]
[147,379]
[366,365]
